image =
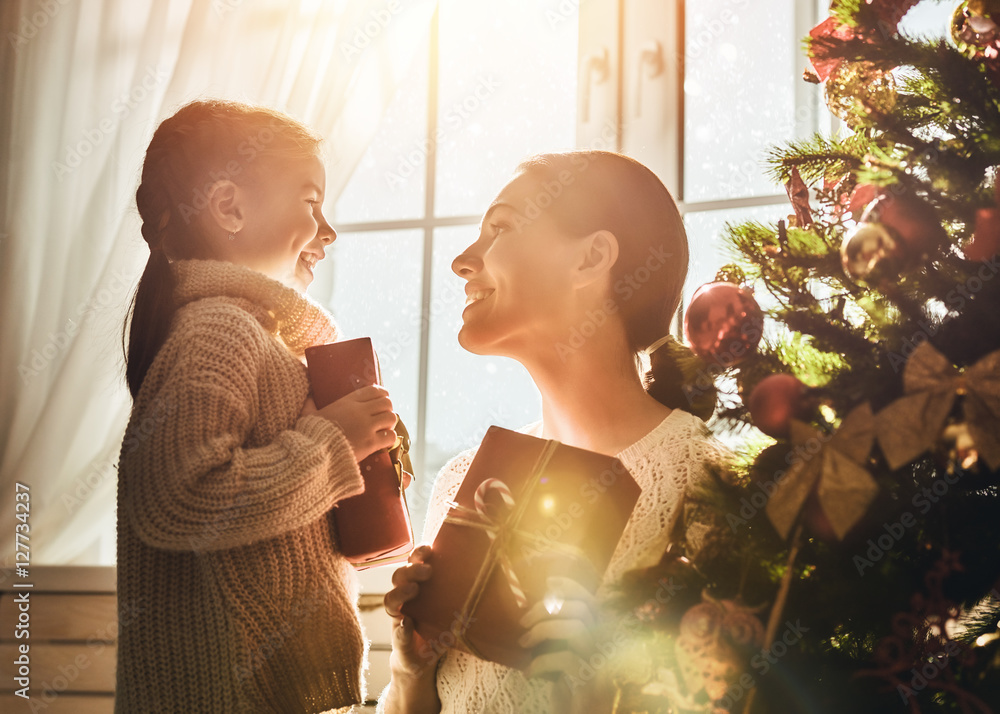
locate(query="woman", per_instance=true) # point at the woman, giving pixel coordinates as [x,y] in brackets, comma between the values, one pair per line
[577,272]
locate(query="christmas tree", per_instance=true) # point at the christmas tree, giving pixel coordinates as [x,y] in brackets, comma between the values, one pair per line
[863,572]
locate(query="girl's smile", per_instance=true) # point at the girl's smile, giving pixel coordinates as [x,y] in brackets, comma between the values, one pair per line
[284,232]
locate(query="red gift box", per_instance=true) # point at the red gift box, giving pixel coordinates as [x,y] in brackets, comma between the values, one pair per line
[527,509]
[373,528]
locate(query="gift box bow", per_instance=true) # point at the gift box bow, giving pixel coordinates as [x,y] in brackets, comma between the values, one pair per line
[496,528]
[502,530]
[931,384]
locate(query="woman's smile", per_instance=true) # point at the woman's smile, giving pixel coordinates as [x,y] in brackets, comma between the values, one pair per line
[474,295]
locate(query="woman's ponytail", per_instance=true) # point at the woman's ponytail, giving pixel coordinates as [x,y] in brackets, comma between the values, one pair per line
[677,379]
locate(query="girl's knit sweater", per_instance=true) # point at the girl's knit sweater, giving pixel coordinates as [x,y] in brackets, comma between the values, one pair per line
[232,594]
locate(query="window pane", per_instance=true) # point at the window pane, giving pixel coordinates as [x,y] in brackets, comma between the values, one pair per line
[467,393]
[507,90]
[707,250]
[371,285]
[743,68]
[390,180]
[927,20]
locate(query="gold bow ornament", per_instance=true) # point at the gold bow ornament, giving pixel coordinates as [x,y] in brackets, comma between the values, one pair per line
[830,465]
[913,423]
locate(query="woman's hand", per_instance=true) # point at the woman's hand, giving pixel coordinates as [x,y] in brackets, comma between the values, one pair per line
[411,655]
[413,662]
[566,627]
[365,416]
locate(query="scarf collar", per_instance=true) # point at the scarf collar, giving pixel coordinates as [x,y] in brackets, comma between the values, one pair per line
[285,312]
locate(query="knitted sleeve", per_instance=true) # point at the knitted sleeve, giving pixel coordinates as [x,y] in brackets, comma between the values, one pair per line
[191,483]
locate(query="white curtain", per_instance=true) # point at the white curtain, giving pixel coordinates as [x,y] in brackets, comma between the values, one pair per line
[83,85]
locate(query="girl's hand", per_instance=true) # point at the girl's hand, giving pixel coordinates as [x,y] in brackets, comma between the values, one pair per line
[567,627]
[411,655]
[365,416]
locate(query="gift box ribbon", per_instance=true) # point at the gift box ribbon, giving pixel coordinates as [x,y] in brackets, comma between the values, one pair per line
[495,529]
[502,532]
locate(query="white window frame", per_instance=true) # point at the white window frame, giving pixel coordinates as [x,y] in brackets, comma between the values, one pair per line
[615,42]
[615,38]
[622,44]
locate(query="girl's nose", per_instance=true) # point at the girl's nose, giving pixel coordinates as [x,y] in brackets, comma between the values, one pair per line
[326,232]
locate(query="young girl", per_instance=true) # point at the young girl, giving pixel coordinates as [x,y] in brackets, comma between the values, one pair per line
[232,594]
[582,243]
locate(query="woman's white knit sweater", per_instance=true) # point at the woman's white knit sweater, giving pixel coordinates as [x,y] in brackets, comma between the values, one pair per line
[671,464]
[232,594]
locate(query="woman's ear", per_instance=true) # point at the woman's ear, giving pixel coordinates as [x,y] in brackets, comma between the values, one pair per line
[599,253]
[224,206]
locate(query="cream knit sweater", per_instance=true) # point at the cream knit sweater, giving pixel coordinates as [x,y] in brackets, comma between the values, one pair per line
[232,595]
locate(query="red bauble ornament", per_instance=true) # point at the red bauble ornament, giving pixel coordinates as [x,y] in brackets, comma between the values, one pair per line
[986,239]
[774,402]
[914,221]
[894,233]
[723,323]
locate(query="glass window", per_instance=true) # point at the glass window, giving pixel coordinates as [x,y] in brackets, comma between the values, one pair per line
[507,90]
[390,181]
[375,295]
[742,66]
[927,20]
[502,80]
[707,250]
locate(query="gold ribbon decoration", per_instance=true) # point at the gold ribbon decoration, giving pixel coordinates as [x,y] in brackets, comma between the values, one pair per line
[479,518]
[913,423]
[832,466]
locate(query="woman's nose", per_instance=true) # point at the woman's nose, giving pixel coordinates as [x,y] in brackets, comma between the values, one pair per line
[467,263]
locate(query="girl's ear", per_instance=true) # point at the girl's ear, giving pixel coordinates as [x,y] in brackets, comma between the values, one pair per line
[598,254]
[224,206]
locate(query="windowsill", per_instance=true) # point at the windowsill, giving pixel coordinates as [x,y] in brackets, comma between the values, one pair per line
[62,578]
[374,583]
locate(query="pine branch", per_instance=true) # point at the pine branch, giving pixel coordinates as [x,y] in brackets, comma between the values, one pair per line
[815,158]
